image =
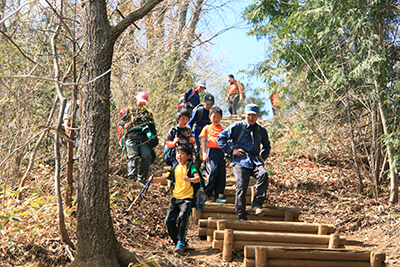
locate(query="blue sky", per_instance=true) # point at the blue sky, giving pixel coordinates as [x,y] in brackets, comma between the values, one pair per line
[244,50]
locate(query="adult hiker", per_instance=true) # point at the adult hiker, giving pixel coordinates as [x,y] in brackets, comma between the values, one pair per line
[191,98]
[234,95]
[199,119]
[247,158]
[140,137]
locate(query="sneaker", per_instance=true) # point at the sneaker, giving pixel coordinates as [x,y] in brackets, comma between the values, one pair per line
[257,211]
[208,200]
[180,247]
[221,199]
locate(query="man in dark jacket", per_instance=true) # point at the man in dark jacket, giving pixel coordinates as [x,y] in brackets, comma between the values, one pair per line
[242,140]
[140,137]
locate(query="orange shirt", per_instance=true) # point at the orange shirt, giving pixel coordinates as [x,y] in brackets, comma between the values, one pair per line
[235,88]
[212,139]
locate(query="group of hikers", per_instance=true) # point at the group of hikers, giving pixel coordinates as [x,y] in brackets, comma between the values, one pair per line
[199,137]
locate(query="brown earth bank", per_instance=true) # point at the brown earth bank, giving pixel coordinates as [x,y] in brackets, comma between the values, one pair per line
[324,193]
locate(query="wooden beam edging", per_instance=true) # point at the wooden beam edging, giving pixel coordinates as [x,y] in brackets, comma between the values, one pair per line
[273,226]
[283,237]
[277,256]
[270,210]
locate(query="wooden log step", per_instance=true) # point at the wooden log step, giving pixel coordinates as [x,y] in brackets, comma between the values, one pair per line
[233,216]
[311,254]
[219,244]
[231,199]
[230,208]
[287,227]
[279,237]
[276,256]
[231,191]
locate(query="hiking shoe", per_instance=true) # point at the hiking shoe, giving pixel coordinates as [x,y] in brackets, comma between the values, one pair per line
[257,211]
[180,247]
[221,199]
[207,200]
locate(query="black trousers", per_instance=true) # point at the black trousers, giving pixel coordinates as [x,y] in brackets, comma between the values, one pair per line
[177,218]
[242,176]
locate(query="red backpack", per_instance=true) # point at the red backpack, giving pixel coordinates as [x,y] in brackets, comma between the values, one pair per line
[121,130]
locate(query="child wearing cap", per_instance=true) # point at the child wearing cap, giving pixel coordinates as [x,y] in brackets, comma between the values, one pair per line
[251,147]
[140,137]
[200,118]
[213,157]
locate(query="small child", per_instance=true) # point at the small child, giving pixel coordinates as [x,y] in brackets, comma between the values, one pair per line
[213,157]
[199,119]
[185,177]
[180,134]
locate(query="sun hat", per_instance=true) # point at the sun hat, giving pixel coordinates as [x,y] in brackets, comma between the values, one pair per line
[201,83]
[142,97]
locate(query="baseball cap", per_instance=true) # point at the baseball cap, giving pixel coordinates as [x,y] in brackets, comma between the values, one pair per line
[142,97]
[209,99]
[252,109]
[201,83]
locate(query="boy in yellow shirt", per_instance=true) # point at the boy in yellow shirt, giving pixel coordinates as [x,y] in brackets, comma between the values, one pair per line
[214,157]
[185,179]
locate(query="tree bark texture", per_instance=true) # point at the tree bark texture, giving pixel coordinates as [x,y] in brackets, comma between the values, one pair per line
[97,243]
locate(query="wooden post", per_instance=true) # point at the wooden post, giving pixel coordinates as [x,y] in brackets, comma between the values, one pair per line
[228,245]
[210,231]
[376,258]
[288,216]
[221,225]
[322,229]
[261,256]
[334,241]
[196,215]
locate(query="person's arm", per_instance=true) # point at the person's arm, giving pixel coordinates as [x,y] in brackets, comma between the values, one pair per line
[195,179]
[240,88]
[193,120]
[266,145]
[187,94]
[203,136]
[172,139]
[223,137]
[159,179]
[122,121]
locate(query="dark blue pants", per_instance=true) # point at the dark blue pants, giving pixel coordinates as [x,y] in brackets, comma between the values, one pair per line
[177,218]
[242,176]
[216,170]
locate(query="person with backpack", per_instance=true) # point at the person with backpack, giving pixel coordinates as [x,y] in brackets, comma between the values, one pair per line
[234,95]
[191,98]
[139,138]
[200,118]
[178,135]
[186,182]
[248,144]
[213,157]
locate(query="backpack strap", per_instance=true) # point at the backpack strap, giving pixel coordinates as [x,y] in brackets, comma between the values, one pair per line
[243,130]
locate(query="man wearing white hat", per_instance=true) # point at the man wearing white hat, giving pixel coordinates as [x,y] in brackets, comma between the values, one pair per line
[248,144]
[191,98]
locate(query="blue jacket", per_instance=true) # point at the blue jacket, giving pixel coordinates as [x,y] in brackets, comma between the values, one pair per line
[250,143]
[192,96]
[199,123]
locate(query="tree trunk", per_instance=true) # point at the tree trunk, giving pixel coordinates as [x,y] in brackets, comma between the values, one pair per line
[394,183]
[97,243]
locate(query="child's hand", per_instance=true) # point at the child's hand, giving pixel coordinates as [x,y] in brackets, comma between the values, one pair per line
[176,139]
[205,157]
[187,179]
[192,140]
